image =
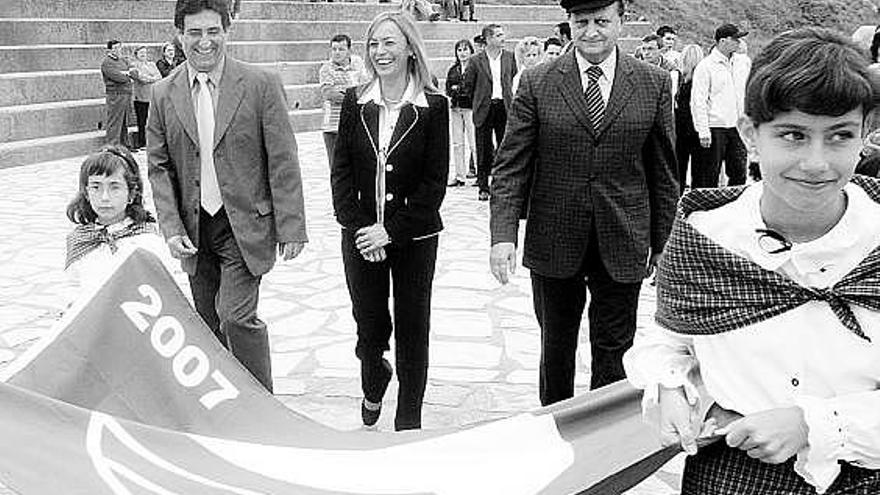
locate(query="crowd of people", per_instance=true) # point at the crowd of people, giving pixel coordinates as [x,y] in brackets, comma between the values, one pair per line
[762,288]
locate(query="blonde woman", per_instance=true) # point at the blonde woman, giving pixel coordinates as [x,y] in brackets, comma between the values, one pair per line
[388,178]
[529,52]
[687,142]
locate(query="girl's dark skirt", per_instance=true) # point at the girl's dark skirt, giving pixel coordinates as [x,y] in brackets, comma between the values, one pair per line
[720,470]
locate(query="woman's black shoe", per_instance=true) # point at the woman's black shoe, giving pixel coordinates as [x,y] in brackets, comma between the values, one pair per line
[369,417]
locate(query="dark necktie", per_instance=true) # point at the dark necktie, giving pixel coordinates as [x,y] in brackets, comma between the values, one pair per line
[595,103]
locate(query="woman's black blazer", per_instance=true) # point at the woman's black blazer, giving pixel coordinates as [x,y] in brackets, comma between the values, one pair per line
[415,174]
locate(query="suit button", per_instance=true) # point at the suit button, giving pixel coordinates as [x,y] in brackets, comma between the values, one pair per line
[389,197]
[389,168]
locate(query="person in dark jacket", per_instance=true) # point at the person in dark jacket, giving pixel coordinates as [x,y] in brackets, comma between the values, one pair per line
[388,177]
[169,59]
[117,82]
[461,114]
[687,141]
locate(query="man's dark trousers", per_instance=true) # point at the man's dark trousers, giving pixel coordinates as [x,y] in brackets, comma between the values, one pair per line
[559,306]
[496,121]
[226,295]
[726,147]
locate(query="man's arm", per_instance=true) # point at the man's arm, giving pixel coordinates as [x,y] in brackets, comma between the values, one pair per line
[700,102]
[285,180]
[658,156]
[511,176]
[514,161]
[162,171]
[328,90]
[110,71]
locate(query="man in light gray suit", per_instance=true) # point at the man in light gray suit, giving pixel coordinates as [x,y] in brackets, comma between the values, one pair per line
[226,180]
[590,144]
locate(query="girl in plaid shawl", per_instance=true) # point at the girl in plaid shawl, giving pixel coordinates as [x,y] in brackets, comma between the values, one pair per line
[768,297]
[110,216]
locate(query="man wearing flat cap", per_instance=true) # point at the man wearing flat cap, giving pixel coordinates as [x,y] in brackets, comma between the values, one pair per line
[717,99]
[590,144]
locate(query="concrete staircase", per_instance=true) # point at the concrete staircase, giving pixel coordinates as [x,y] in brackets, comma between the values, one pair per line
[52,96]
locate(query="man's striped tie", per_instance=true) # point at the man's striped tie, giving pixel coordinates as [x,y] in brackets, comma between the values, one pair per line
[595,103]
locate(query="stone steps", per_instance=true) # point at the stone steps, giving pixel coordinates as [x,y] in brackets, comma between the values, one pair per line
[52,96]
[32,31]
[23,152]
[302,11]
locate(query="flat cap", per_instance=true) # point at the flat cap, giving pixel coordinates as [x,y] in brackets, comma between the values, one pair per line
[577,5]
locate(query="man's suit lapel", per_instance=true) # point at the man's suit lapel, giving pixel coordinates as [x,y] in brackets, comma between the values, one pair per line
[229,97]
[621,91]
[483,64]
[570,86]
[181,97]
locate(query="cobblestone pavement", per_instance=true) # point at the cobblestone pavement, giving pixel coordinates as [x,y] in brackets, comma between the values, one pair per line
[484,338]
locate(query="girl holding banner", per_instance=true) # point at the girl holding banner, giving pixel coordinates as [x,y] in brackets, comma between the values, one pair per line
[769,294]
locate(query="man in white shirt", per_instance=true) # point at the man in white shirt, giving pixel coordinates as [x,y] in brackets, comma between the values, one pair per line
[488,79]
[716,105]
[667,45]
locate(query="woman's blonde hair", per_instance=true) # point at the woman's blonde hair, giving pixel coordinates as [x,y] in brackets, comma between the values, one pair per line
[523,46]
[690,57]
[417,64]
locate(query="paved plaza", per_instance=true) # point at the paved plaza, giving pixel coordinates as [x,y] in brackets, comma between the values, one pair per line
[484,337]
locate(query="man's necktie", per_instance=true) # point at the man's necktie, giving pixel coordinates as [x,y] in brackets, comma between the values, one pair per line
[595,103]
[210,189]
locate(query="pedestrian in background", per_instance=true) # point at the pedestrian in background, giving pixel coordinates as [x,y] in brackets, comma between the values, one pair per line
[344,70]
[461,114]
[388,180]
[552,49]
[487,81]
[688,150]
[116,73]
[168,61]
[528,53]
[144,74]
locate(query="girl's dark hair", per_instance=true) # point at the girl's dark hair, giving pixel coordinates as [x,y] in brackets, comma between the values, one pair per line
[106,162]
[459,43]
[814,70]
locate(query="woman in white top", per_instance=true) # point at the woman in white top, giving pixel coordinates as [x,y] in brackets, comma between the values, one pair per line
[769,295]
[529,52]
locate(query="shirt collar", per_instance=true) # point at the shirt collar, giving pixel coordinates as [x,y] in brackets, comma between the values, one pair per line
[806,256]
[608,66]
[718,56]
[213,75]
[410,95]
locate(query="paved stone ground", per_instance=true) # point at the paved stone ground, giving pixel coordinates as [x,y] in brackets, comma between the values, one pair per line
[484,338]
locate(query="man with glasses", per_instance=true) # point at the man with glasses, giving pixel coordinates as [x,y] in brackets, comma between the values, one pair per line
[226,179]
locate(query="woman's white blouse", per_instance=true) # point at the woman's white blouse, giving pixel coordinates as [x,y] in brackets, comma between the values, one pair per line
[803,357]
